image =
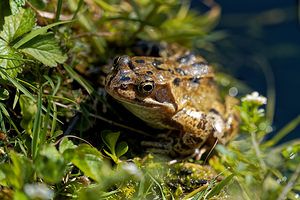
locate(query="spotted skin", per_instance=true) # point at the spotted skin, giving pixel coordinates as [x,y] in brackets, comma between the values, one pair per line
[179,93]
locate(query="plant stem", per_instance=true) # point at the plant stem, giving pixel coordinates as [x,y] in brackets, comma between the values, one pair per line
[142,25]
[290,183]
[257,151]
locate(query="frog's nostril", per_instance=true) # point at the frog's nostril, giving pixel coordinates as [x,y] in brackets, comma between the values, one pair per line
[124,86]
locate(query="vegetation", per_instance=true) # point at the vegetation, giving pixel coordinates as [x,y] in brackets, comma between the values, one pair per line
[60,137]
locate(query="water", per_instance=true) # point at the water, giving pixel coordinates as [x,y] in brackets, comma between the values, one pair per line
[264,38]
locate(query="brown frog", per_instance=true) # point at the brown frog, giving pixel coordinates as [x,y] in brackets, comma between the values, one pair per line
[178,93]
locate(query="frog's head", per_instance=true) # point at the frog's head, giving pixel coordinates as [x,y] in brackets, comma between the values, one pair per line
[139,85]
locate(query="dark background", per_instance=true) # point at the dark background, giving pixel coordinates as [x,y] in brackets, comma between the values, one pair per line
[262,45]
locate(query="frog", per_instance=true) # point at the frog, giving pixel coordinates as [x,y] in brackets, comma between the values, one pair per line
[176,92]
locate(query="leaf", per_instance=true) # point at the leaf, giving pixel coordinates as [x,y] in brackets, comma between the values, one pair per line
[2,124]
[25,91]
[11,66]
[66,144]
[28,111]
[16,98]
[219,186]
[87,159]
[35,33]
[16,5]
[79,79]
[18,173]
[4,94]
[122,148]
[17,25]
[50,165]
[20,195]
[110,139]
[45,49]
[37,126]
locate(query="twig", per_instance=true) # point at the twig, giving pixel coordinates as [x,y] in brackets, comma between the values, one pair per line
[257,151]
[36,11]
[50,15]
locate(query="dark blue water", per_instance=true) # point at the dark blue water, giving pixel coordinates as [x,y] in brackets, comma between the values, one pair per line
[266,31]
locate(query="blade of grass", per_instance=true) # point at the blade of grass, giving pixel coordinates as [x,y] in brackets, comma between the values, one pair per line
[57,14]
[98,42]
[26,92]
[43,135]
[28,84]
[62,98]
[36,127]
[35,33]
[22,147]
[3,129]
[105,6]
[141,187]
[283,132]
[271,92]
[159,186]
[13,58]
[55,89]
[136,8]
[4,111]
[219,186]
[86,85]
[16,98]
[75,14]
[79,79]
[18,85]
[201,194]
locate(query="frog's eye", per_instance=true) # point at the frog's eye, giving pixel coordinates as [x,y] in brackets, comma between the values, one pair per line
[146,87]
[116,63]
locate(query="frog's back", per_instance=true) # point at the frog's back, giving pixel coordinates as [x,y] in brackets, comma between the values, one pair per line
[189,78]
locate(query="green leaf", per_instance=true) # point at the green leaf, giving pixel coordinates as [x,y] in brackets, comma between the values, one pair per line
[25,91]
[35,33]
[79,79]
[45,49]
[16,5]
[4,94]
[16,98]
[37,126]
[66,144]
[110,139]
[87,159]
[216,190]
[28,111]
[17,25]
[20,195]
[12,63]
[50,165]
[18,173]
[2,122]
[122,148]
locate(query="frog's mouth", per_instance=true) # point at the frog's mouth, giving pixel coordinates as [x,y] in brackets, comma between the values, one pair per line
[130,97]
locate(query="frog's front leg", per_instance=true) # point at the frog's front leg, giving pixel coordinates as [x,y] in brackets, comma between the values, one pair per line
[231,120]
[197,127]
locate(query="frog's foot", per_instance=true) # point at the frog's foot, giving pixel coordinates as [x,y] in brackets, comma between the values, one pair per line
[163,145]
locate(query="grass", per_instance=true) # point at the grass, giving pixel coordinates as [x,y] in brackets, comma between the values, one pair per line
[53,145]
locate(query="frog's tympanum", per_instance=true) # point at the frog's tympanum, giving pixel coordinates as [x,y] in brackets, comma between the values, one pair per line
[178,93]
